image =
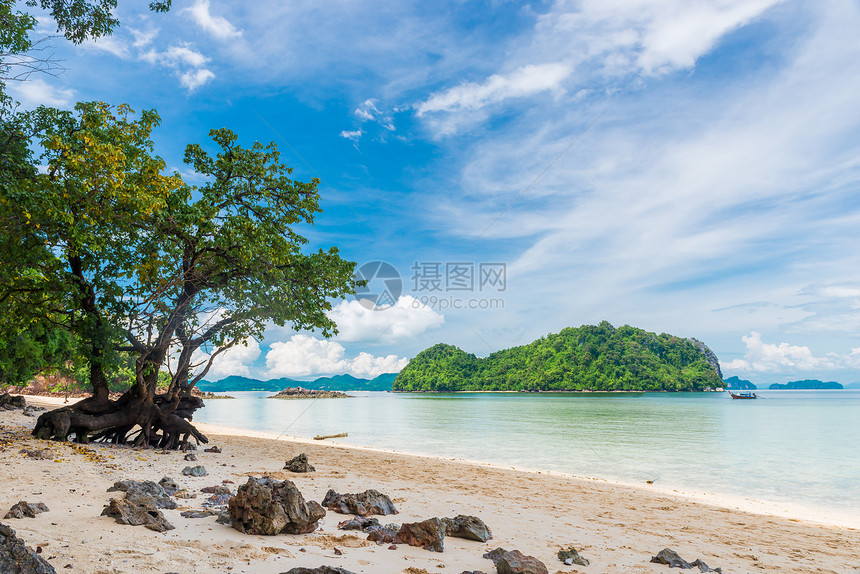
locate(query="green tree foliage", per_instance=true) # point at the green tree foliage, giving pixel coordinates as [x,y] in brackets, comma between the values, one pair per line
[588,358]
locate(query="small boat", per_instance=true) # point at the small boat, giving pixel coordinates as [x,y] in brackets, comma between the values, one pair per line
[745,395]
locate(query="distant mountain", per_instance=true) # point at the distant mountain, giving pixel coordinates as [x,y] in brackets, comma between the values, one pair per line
[735,383]
[806,385]
[336,383]
[590,357]
[852,386]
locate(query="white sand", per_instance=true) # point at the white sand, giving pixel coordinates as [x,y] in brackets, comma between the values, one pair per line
[618,527]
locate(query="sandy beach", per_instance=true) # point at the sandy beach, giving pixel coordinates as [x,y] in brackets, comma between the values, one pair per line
[617,527]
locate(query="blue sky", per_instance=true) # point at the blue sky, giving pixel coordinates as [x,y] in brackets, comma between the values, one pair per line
[683,167]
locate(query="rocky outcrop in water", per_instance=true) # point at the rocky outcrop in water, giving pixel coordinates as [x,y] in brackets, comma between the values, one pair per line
[301,393]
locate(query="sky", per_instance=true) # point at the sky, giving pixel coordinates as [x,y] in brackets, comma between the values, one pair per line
[501,170]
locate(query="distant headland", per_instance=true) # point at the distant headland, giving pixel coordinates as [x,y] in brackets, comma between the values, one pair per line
[336,383]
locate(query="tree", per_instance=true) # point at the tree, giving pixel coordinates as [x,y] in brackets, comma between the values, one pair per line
[131,260]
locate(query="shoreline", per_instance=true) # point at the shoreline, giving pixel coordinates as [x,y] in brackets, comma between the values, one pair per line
[768,508]
[618,527]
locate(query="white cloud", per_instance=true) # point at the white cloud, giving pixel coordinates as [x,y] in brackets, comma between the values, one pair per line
[109,44]
[181,57]
[143,38]
[216,25]
[234,361]
[193,79]
[354,135]
[525,81]
[304,356]
[408,317]
[36,91]
[764,357]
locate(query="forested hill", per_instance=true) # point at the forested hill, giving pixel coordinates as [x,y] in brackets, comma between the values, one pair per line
[591,357]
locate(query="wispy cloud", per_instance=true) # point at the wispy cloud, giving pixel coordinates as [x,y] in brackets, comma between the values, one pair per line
[522,82]
[37,91]
[187,61]
[218,26]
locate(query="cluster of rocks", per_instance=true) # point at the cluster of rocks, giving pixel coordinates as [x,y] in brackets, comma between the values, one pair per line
[12,402]
[142,503]
[302,393]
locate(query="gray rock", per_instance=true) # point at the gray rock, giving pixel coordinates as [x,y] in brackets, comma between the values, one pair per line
[198,470]
[362,504]
[191,457]
[571,556]
[169,485]
[145,492]
[428,534]
[494,555]
[198,513]
[224,518]
[126,512]
[39,453]
[365,524]
[383,534]
[26,509]
[266,506]
[674,560]
[469,527]
[299,463]
[18,558]
[515,562]
[11,402]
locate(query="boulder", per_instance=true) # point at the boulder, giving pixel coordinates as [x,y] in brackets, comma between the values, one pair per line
[571,556]
[365,524]
[266,506]
[224,518]
[126,512]
[299,463]
[383,534]
[144,492]
[515,562]
[169,485]
[494,555]
[198,470]
[17,558]
[319,570]
[12,402]
[674,560]
[428,534]
[26,509]
[363,504]
[469,527]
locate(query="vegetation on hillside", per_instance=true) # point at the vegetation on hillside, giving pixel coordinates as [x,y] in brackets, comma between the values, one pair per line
[591,357]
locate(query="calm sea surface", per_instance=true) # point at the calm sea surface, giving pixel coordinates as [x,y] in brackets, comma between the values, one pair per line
[801,447]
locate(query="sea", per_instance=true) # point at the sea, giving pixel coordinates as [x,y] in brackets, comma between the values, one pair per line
[798,449]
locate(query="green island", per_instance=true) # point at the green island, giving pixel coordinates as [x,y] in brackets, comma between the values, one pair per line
[587,358]
[807,384]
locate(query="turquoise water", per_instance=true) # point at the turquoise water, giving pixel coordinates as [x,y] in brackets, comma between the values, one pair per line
[800,447]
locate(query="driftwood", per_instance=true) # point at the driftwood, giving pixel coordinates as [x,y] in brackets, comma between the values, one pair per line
[325,436]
